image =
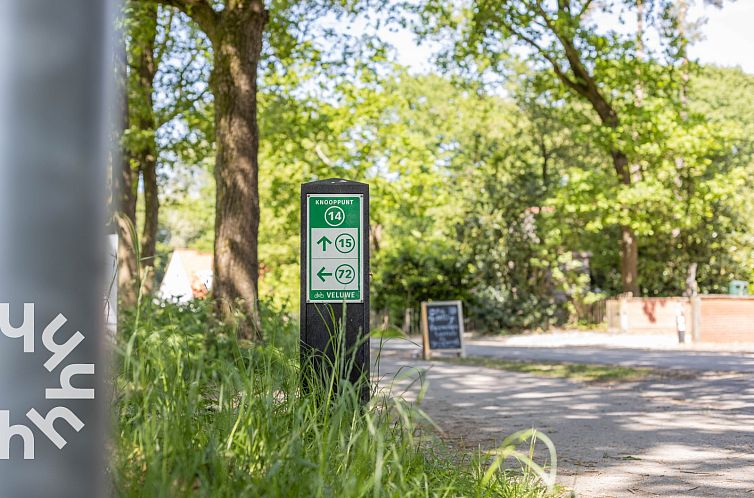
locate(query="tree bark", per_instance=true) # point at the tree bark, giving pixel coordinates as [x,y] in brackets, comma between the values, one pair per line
[692,288]
[629,249]
[125,188]
[146,155]
[236,34]
[151,222]
[237,48]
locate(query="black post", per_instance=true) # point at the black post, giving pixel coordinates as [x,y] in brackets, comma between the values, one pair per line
[334,272]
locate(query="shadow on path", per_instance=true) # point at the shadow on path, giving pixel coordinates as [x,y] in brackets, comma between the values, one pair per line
[668,438]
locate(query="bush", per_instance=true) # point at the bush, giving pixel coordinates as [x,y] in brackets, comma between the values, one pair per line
[417,270]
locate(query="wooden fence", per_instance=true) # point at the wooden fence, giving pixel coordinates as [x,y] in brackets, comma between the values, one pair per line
[593,313]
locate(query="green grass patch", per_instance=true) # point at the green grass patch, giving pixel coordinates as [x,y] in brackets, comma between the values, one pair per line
[591,327]
[198,415]
[584,372]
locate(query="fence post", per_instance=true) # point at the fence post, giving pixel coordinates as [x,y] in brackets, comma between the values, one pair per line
[623,315]
[696,318]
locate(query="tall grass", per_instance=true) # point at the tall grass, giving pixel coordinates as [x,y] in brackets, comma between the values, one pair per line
[197,414]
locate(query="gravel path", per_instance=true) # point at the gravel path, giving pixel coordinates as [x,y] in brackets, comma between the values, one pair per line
[654,438]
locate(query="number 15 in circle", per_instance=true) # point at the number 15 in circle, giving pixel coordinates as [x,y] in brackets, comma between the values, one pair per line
[345,243]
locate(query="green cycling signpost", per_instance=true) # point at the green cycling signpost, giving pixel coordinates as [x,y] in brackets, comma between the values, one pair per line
[335,275]
[334,249]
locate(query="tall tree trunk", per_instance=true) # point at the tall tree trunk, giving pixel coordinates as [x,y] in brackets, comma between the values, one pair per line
[629,249]
[629,173]
[125,188]
[585,85]
[237,48]
[692,289]
[146,155]
[151,220]
[236,34]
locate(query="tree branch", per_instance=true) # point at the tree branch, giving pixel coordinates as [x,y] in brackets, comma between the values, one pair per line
[199,10]
[584,8]
[555,66]
[585,83]
[165,115]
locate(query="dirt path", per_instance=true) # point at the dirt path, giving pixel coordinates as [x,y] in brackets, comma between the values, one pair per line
[654,438]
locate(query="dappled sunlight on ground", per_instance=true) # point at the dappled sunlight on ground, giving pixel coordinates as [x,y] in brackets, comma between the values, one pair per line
[679,437]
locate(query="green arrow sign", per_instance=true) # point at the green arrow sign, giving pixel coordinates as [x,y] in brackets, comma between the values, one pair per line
[322,274]
[324,241]
[334,239]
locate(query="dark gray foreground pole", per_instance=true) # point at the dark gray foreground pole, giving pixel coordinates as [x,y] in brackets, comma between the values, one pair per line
[334,271]
[54,66]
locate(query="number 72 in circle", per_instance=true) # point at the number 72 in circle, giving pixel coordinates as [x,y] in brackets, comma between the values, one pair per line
[345,274]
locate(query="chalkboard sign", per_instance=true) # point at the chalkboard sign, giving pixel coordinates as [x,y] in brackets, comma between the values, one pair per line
[442,327]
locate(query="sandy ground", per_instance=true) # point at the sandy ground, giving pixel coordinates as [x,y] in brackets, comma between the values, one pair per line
[654,438]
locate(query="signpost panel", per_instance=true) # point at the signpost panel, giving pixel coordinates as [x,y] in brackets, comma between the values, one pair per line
[335,275]
[334,248]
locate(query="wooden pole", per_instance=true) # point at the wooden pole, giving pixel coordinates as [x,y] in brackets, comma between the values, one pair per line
[426,355]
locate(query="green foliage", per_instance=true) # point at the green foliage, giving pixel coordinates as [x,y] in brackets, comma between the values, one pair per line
[685,169]
[197,414]
[489,182]
[493,196]
[417,270]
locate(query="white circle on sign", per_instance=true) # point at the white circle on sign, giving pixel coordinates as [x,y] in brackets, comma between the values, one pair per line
[335,216]
[345,274]
[345,243]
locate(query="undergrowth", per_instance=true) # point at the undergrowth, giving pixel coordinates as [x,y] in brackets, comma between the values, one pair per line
[199,415]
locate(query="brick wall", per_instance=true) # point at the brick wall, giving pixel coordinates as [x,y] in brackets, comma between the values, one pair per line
[647,315]
[717,318]
[726,319]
